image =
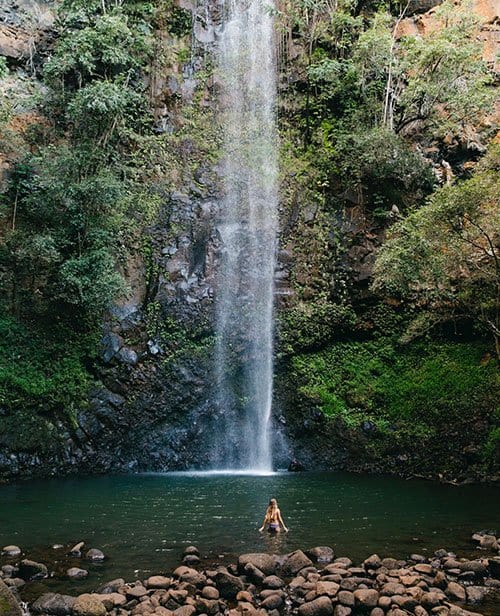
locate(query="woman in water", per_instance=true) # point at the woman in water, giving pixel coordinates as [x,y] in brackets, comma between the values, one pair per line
[273,518]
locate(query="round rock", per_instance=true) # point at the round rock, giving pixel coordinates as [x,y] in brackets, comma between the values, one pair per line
[88,605]
[11,550]
[75,573]
[95,555]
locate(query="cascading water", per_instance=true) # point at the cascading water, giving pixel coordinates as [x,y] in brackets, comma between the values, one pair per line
[247,228]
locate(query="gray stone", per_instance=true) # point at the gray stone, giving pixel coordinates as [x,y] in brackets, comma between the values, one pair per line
[75,573]
[228,585]
[267,563]
[12,551]
[95,555]
[294,562]
[52,603]
[321,554]
[31,570]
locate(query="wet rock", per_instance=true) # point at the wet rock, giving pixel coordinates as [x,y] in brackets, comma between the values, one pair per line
[228,585]
[191,560]
[366,598]
[372,562]
[191,550]
[52,603]
[8,604]
[476,566]
[113,586]
[321,554]
[95,555]
[267,563]
[31,570]
[12,551]
[294,562]
[76,550]
[343,562]
[158,581]
[75,573]
[488,542]
[322,606]
[88,605]
[9,571]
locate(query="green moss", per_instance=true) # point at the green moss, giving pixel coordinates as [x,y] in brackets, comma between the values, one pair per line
[418,388]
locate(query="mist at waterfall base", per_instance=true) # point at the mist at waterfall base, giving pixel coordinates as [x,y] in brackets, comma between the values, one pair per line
[247,230]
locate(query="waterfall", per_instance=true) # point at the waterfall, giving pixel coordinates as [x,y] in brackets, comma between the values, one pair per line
[247,229]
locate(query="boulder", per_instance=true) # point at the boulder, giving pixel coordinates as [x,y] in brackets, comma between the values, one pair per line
[31,570]
[158,581]
[267,563]
[254,574]
[113,586]
[321,554]
[372,562]
[229,585]
[322,606]
[273,582]
[420,611]
[273,602]
[455,591]
[112,600]
[210,592]
[377,611]
[191,560]
[8,604]
[478,567]
[12,551]
[95,555]
[75,573]
[76,550]
[488,542]
[366,598]
[185,610]
[424,568]
[88,605]
[342,610]
[346,597]
[136,592]
[52,603]
[384,602]
[9,571]
[329,589]
[294,562]
[393,588]
[191,550]
[191,576]
[476,594]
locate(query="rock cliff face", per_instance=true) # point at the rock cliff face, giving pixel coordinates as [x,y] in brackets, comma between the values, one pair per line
[151,408]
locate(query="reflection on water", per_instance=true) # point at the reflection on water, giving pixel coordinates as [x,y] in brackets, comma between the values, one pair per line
[143,522]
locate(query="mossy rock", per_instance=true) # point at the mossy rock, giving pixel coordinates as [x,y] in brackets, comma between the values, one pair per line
[8,604]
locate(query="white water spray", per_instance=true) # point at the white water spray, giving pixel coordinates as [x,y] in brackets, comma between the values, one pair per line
[247,229]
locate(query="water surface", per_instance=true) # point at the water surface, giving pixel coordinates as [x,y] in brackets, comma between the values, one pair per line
[143,522]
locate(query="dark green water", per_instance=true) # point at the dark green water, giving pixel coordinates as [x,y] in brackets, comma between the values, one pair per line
[143,522]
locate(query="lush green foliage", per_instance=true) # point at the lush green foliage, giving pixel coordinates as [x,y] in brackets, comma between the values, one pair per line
[415,390]
[445,256]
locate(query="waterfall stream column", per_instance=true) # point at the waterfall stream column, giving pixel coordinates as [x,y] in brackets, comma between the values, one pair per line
[247,229]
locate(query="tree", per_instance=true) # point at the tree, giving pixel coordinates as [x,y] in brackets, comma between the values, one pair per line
[445,256]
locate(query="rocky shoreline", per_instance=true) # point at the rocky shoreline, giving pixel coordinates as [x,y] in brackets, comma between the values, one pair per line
[313,582]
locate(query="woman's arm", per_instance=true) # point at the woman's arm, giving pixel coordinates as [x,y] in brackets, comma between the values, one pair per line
[282,523]
[263,524]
